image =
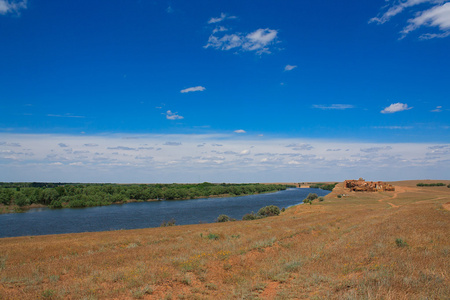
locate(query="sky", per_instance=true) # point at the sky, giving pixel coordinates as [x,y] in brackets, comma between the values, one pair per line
[224,91]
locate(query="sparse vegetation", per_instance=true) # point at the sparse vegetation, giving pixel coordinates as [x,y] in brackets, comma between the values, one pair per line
[168,223]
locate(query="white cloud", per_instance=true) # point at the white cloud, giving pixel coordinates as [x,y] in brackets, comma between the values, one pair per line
[431,13]
[289,67]
[193,89]
[395,107]
[437,16]
[376,149]
[173,116]
[333,106]
[240,131]
[172,144]
[12,6]
[269,160]
[437,109]
[222,17]
[258,40]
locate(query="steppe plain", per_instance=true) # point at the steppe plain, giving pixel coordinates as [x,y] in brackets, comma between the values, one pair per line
[382,245]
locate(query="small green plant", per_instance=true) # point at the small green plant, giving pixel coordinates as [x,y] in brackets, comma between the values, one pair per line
[401,243]
[213,236]
[321,199]
[223,218]
[339,196]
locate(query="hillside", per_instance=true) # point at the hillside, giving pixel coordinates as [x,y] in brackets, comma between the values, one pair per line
[384,245]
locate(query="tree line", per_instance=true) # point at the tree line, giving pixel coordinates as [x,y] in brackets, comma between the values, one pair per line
[58,195]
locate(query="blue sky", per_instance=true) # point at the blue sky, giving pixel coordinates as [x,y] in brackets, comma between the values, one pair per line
[254,77]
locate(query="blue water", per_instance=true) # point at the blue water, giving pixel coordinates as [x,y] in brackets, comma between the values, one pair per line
[43,221]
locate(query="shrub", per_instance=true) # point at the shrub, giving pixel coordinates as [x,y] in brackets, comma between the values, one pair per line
[269,211]
[431,184]
[339,196]
[168,223]
[223,218]
[250,216]
[312,196]
[321,199]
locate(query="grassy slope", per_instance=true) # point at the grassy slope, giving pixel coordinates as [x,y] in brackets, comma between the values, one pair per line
[340,248]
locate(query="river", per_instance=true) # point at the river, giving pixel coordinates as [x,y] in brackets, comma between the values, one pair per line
[42,221]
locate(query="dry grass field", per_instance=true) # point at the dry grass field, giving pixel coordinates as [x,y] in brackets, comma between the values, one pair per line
[385,245]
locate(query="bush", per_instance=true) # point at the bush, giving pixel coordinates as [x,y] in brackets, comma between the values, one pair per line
[269,211]
[312,196]
[168,223]
[250,216]
[321,199]
[223,218]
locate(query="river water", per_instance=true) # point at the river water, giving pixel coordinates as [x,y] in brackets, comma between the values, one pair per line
[41,221]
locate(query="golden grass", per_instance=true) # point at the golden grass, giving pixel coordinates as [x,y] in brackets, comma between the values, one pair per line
[387,245]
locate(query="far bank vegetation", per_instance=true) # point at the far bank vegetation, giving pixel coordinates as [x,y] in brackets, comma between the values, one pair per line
[59,195]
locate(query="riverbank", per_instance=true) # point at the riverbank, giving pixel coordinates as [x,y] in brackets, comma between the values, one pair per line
[20,197]
[366,245]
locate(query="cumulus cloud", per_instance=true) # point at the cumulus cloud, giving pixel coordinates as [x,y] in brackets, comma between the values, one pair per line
[240,131]
[289,67]
[395,107]
[431,13]
[173,116]
[12,6]
[90,145]
[333,106]
[193,89]
[62,145]
[259,40]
